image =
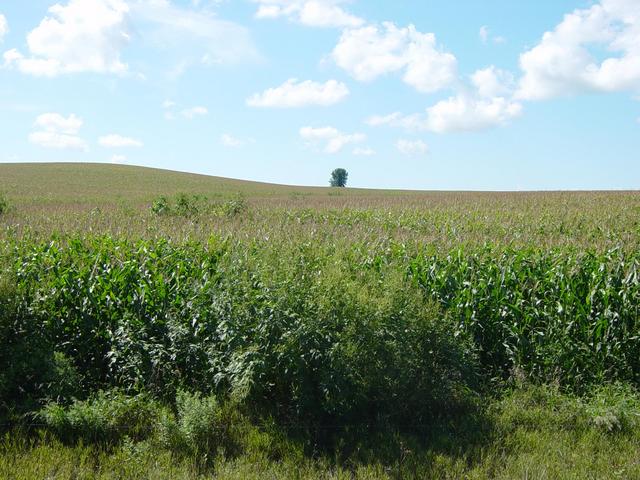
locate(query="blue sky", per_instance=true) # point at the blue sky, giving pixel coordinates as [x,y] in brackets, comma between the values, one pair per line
[491,95]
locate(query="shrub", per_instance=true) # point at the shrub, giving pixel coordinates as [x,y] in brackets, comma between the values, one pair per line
[234,206]
[161,206]
[203,427]
[323,347]
[188,205]
[614,408]
[106,417]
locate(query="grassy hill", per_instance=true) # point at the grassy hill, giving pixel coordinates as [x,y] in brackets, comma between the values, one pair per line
[29,182]
[96,182]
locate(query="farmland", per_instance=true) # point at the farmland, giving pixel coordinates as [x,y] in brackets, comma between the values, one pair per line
[165,325]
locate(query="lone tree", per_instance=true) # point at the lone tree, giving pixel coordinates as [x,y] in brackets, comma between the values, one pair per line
[338,178]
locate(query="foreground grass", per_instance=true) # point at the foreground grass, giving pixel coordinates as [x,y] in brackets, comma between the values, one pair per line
[533,433]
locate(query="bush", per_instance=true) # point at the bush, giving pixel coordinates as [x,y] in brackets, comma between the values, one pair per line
[106,417]
[161,206]
[325,348]
[614,408]
[234,206]
[203,427]
[191,206]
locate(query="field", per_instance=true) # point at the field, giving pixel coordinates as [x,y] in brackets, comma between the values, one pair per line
[165,325]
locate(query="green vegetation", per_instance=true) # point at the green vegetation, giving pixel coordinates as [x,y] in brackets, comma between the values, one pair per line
[257,331]
[4,203]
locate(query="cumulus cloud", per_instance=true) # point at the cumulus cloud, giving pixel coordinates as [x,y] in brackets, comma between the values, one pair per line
[371,51]
[409,147]
[4,27]
[493,82]
[90,35]
[118,141]
[82,36]
[54,122]
[565,61]
[330,139]
[57,131]
[293,93]
[312,13]
[465,113]
[487,103]
[118,159]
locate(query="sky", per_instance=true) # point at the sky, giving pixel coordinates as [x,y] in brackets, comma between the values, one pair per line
[412,94]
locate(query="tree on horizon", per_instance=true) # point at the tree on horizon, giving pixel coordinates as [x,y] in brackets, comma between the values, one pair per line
[339,178]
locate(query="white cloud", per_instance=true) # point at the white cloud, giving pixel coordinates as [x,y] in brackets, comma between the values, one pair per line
[4,27]
[364,151]
[168,104]
[312,13]
[82,36]
[118,141]
[371,51]
[465,113]
[293,93]
[57,131]
[408,147]
[193,112]
[329,138]
[118,159]
[89,36]
[192,36]
[228,140]
[566,62]
[493,82]
[488,104]
[57,140]
[54,122]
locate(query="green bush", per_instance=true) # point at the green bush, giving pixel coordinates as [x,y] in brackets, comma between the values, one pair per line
[193,206]
[234,206]
[106,417]
[161,206]
[202,428]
